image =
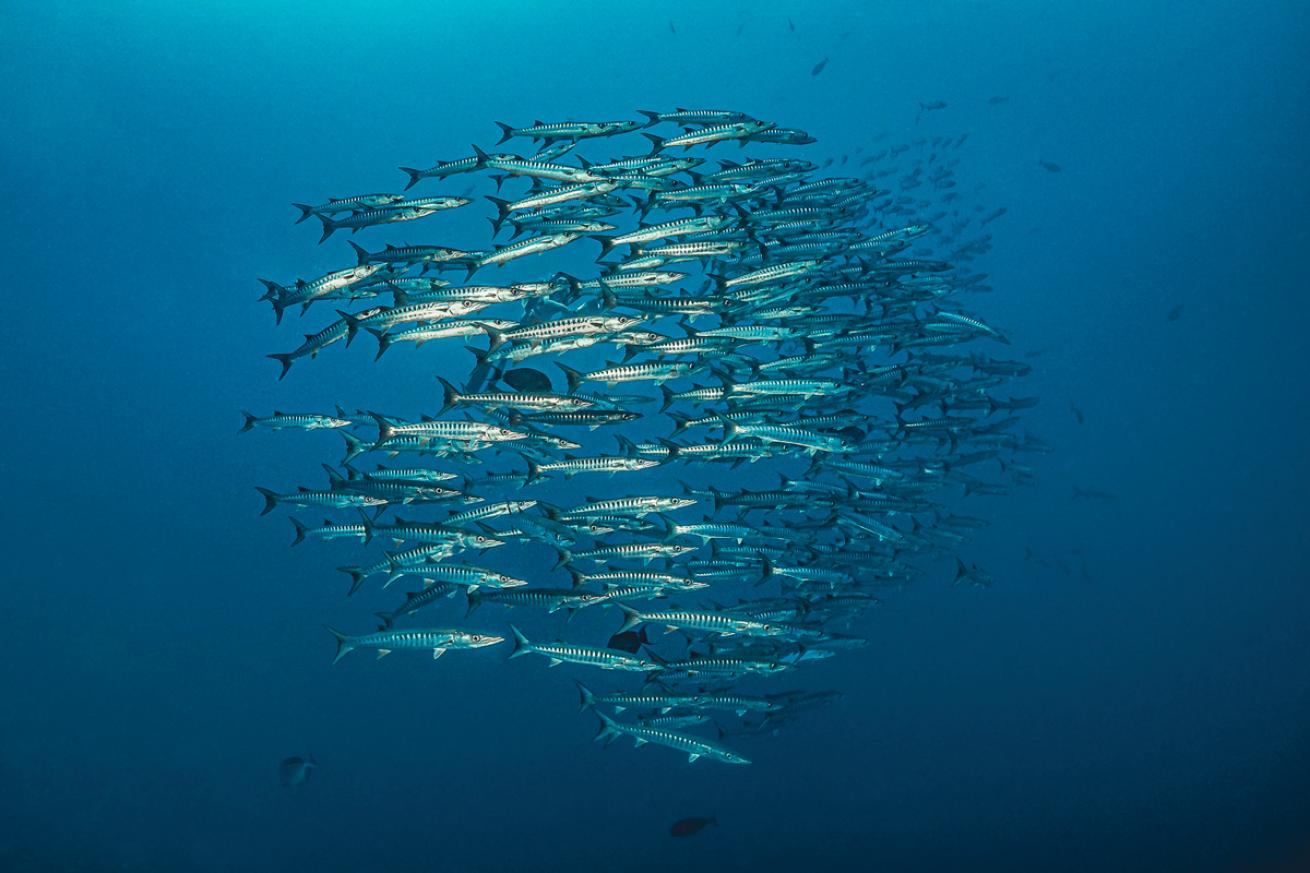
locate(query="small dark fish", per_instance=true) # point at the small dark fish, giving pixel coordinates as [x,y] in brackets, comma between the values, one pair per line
[818,68]
[687,826]
[1049,166]
[1092,494]
[527,379]
[997,101]
[932,106]
[1176,312]
[295,771]
[628,641]
[992,216]
[791,25]
[673,30]
[740,28]
[1077,413]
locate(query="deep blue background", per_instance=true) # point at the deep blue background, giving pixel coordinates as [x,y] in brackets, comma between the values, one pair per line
[163,647]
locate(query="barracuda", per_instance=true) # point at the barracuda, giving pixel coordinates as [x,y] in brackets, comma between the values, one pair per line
[295,421]
[442,169]
[431,592]
[386,215]
[711,622]
[645,552]
[436,640]
[517,166]
[632,579]
[425,312]
[732,130]
[388,429]
[422,333]
[550,599]
[617,373]
[348,204]
[694,747]
[514,400]
[306,497]
[470,577]
[429,532]
[667,702]
[574,466]
[524,247]
[559,653]
[570,130]
[550,197]
[637,506]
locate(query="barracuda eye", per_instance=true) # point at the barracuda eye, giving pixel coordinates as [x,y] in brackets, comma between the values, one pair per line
[477,638]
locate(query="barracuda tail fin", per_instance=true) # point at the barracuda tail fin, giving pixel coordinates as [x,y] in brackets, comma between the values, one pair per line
[386,430]
[329,227]
[653,117]
[607,245]
[354,446]
[575,378]
[250,422]
[305,211]
[300,531]
[502,211]
[656,142]
[356,575]
[609,729]
[352,325]
[384,341]
[670,397]
[586,700]
[285,361]
[521,644]
[449,396]
[414,176]
[495,337]
[344,645]
[361,253]
[631,618]
[505,132]
[270,500]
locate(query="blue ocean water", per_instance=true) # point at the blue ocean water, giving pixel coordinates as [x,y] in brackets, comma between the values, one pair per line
[165,649]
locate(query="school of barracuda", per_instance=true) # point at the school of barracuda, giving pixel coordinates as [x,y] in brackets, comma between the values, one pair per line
[752,417]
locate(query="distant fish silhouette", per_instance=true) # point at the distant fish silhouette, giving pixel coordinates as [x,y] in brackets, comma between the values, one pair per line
[295,771]
[527,379]
[997,101]
[818,68]
[628,641]
[931,106]
[673,30]
[1176,312]
[791,25]
[685,827]
[1049,167]
[1077,413]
